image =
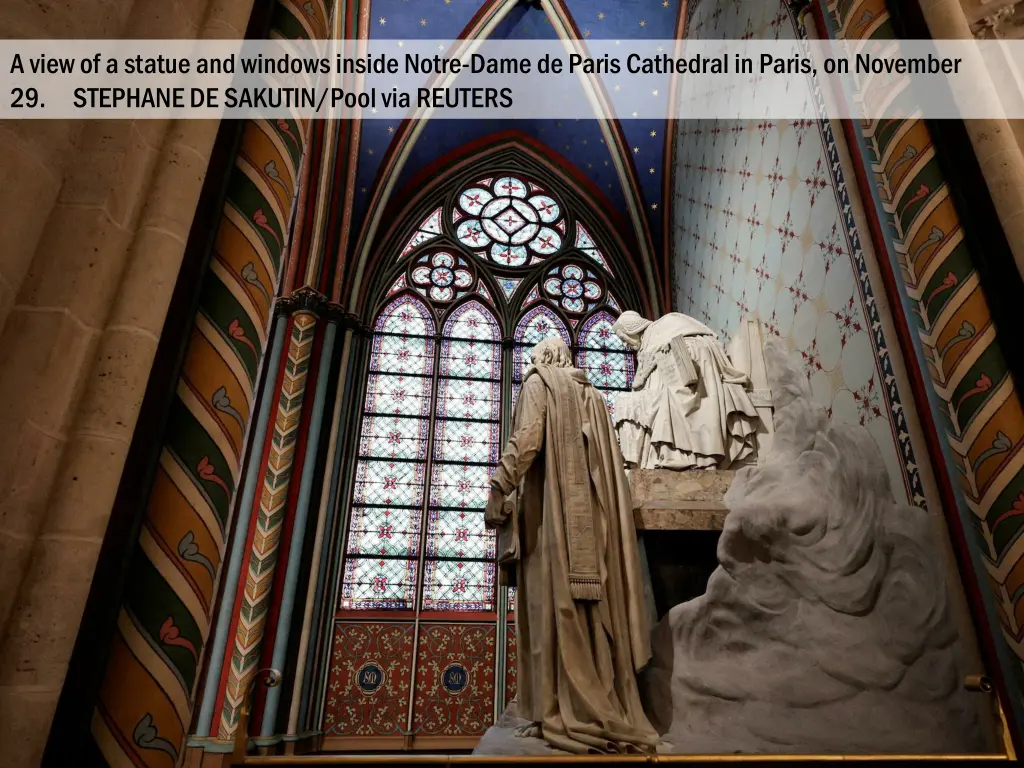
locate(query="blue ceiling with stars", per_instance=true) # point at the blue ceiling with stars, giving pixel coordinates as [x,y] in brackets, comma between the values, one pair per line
[581,142]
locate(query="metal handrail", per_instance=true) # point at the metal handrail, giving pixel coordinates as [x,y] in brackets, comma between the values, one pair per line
[271,679]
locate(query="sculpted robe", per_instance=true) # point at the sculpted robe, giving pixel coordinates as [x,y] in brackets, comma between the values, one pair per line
[577,656]
[690,407]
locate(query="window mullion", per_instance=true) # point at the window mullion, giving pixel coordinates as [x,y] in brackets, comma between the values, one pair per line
[428,470]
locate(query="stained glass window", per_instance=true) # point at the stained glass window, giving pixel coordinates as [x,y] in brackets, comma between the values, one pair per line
[516,221]
[385,522]
[536,325]
[427,230]
[606,360]
[503,258]
[459,573]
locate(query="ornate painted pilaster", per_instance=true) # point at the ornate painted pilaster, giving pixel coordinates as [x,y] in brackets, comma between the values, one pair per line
[975,402]
[251,618]
[148,692]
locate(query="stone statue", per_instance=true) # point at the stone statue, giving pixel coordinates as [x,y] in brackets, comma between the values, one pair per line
[689,408]
[582,632]
[827,627]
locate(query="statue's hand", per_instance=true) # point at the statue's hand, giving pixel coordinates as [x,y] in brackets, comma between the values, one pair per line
[495,515]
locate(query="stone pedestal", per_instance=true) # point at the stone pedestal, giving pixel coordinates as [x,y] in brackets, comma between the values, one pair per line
[678,516]
[664,500]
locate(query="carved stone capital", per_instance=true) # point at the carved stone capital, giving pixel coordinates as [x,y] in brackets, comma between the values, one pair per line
[305,299]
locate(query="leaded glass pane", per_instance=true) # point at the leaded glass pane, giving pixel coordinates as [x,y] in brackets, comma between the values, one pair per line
[470,359]
[606,370]
[472,321]
[407,316]
[393,437]
[462,486]
[402,354]
[384,483]
[597,333]
[386,531]
[466,441]
[458,586]
[375,584]
[399,395]
[538,324]
[459,534]
[468,399]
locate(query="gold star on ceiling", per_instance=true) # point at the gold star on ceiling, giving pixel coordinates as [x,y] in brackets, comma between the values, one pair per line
[600,16]
[650,170]
[606,162]
[363,190]
[664,4]
[586,33]
[401,44]
[636,114]
[654,206]
[382,21]
[391,129]
[447,2]
[423,22]
[654,92]
[643,23]
[654,133]
[636,150]
[369,151]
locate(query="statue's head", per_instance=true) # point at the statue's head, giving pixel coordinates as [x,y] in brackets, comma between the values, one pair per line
[551,352]
[630,328]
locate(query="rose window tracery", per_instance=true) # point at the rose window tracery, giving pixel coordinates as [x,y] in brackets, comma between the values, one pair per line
[574,288]
[441,276]
[511,220]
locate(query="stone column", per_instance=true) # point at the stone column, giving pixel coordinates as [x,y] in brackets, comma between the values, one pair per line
[36,152]
[76,353]
[996,146]
[277,472]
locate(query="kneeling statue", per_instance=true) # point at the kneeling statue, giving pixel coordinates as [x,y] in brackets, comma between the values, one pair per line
[689,408]
[582,631]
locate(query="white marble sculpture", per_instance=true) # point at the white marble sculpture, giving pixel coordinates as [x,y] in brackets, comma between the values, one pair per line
[827,627]
[690,408]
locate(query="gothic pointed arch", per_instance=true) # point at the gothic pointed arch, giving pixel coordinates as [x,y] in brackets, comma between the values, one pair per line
[574,220]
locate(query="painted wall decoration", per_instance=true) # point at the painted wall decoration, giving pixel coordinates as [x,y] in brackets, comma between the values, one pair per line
[368,688]
[455,680]
[147,696]
[269,523]
[763,229]
[976,403]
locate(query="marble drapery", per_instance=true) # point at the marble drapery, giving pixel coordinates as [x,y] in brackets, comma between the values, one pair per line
[579,649]
[690,407]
